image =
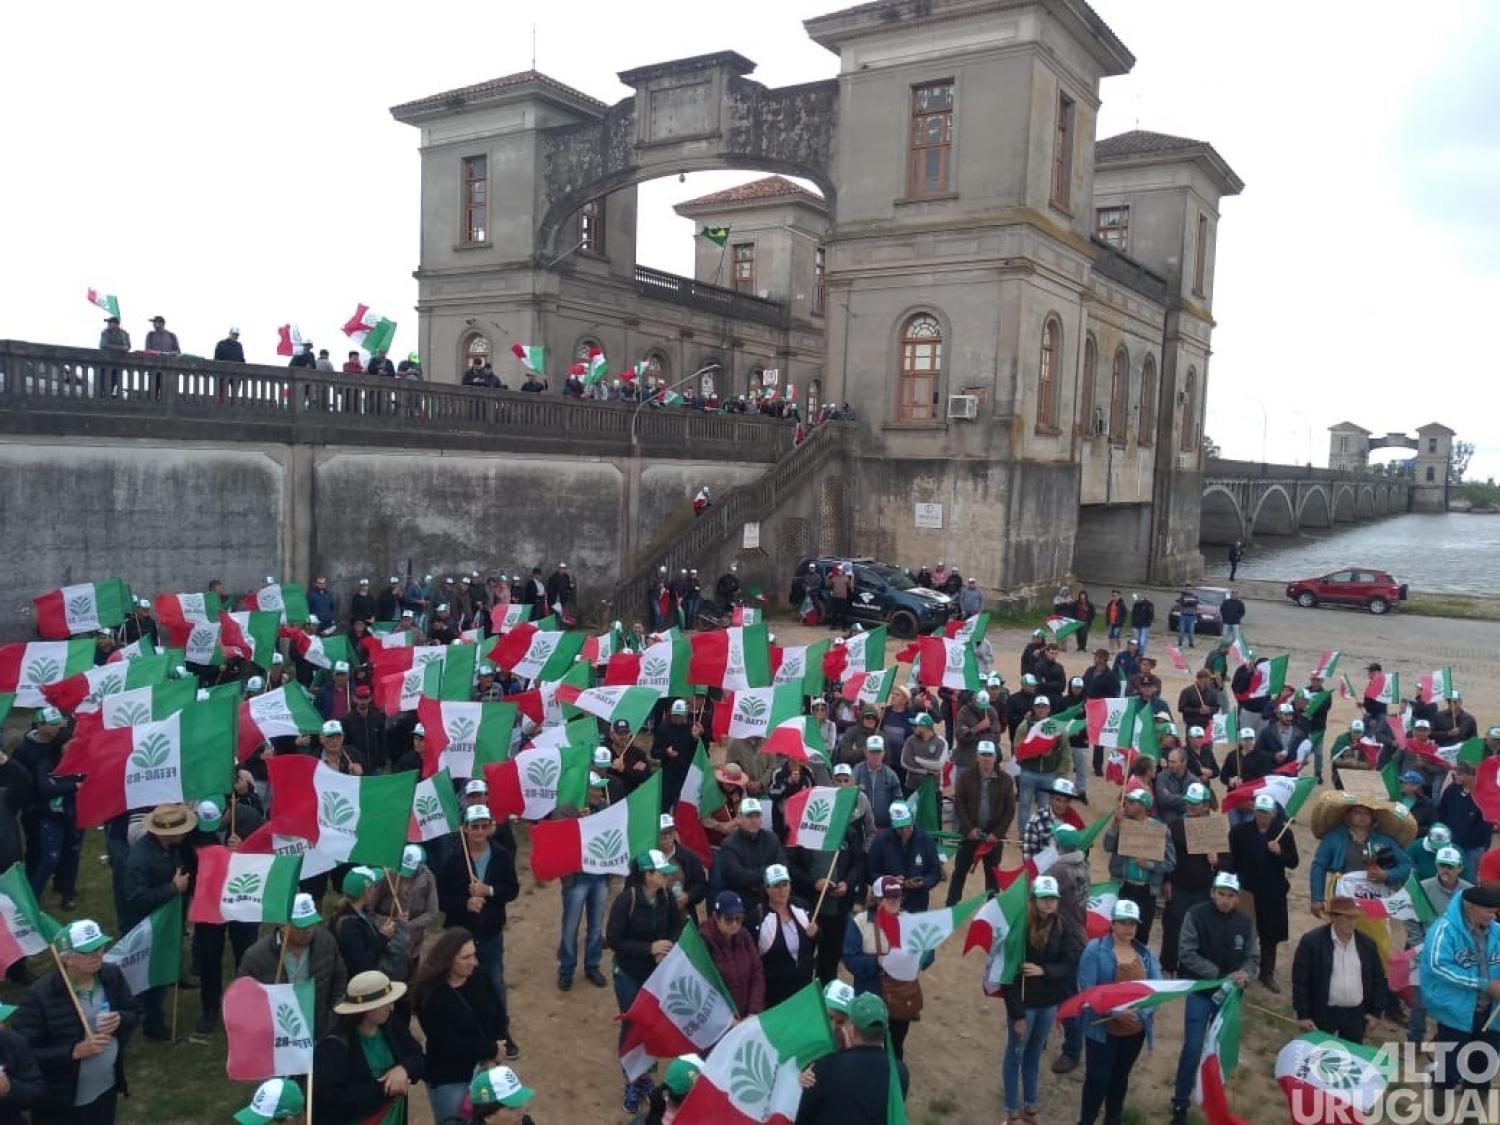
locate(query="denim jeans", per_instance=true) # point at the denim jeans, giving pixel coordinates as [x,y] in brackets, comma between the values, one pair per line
[1229,633]
[1023,1058]
[1186,623]
[57,856]
[491,953]
[1141,633]
[1027,786]
[1416,1018]
[117,850]
[446,1101]
[1200,1009]
[584,895]
[1471,863]
[1316,754]
[626,990]
[1081,756]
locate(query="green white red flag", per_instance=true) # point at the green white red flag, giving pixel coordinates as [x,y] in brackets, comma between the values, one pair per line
[1135,996]
[259,629]
[1267,679]
[683,1007]
[700,797]
[598,648]
[753,1074]
[213,643]
[1221,1054]
[1061,627]
[26,668]
[434,809]
[178,609]
[463,738]
[86,608]
[1409,904]
[453,678]
[662,665]
[1290,792]
[946,664]
[1328,1079]
[1111,722]
[733,659]
[818,817]
[864,651]
[185,757]
[998,927]
[106,301]
[369,330]
[150,954]
[136,649]
[612,704]
[286,598]
[597,368]
[1437,685]
[536,654]
[234,886]
[400,675]
[912,937]
[533,783]
[869,688]
[970,629]
[1099,916]
[1327,662]
[280,713]
[756,712]
[131,708]
[1042,738]
[1240,651]
[269,1028]
[800,664]
[350,819]
[1384,687]
[24,929]
[602,843]
[534,356]
[320,652]
[85,692]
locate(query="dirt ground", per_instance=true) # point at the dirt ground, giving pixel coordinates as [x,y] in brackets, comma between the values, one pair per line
[955,1051]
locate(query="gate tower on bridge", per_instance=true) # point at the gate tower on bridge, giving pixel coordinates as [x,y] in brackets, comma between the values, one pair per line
[1349,448]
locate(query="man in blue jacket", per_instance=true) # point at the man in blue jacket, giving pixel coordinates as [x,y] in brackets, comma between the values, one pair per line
[1460,983]
[907,851]
[1355,846]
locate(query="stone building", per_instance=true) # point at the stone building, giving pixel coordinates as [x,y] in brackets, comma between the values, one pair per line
[1019,316]
[1350,445]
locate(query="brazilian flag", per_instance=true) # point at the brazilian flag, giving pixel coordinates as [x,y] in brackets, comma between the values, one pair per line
[717,235]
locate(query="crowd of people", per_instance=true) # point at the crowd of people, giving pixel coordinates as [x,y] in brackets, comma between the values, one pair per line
[408,963]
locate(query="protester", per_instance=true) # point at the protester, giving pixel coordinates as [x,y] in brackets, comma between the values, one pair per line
[877,781]
[1142,616]
[85,1076]
[852,1086]
[1114,1044]
[909,853]
[214,829]
[1261,854]
[157,870]
[301,950]
[1355,837]
[497,1094]
[1338,981]
[276,1101]
[462,1018]
[673,745]
[734,953]
[1440,890]
[1037,772]
[1190,880]
[1472,833]
[834,879]
[1459,984]
[1217,941]
[411,896]
[365,1069]
[785,939]
[1043,981]
[1140,880]
[744,857]
[54,842]
[879,969]
[690,887]
[984,805]
[643,925]
[474,886]
[975,722]
[584,895]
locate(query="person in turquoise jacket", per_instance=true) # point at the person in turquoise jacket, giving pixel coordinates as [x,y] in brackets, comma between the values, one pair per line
[1459,977]
[1335,857]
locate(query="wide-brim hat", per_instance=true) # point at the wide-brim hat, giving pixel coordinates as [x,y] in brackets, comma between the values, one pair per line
[170,820]
[1394,821]
[732,774]
[368,991]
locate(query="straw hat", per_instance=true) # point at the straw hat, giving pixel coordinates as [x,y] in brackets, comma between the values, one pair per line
[1393,820]
[368,991]
[732,774]
[170,820]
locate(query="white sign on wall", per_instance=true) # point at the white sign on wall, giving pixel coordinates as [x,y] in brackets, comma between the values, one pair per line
[752,537]
[770,377]
[929,515]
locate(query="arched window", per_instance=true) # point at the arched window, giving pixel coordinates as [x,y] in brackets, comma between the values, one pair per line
[1086,391]
[1119,396]
[1189,439]
[814,398]
[1046,384]
[1148,401]
[581,352]
[921,369]
[656,364]
[475,347]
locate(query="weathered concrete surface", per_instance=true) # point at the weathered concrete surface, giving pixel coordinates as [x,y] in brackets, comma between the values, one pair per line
[1113,542]
[162,517]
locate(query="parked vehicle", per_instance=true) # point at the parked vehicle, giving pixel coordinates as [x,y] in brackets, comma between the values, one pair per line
[1376,590]
[1209,600]
[886,594]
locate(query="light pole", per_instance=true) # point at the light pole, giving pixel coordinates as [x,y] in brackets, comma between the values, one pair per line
[634,441]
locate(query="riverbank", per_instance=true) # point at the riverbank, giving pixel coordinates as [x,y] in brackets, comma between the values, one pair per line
[1471,607]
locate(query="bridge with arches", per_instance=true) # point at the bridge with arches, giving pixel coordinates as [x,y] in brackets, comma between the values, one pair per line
[1246,500]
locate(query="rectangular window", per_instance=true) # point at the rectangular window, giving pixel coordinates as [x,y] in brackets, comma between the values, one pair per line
[931,138]
[1432,445]
[744,267]
[476,198]
[820,281]
[1062,153]
[1112,225]
[1200,255]
[591,228]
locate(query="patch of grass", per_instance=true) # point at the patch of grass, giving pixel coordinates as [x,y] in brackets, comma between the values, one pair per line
[1453,605]
[170,1084]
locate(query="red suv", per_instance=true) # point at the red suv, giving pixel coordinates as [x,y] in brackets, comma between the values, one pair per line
[1374,589]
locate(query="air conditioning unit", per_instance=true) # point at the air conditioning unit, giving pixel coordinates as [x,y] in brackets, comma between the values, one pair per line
[963,406]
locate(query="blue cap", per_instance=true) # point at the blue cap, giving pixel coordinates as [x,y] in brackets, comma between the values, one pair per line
[1411,777]
[729,904]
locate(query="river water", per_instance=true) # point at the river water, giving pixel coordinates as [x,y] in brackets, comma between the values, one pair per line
[1446,553]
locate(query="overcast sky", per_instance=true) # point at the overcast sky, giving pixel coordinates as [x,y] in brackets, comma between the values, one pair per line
[243,169]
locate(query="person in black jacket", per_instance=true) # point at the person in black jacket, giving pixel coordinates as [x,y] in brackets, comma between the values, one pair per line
[560,588]
[229,349]
[364,730]
[83,1068]
[54,842]
[1188,884]
[369,1062]
[1261,854]
[362,604]
[476,882]
[853,1086]
[744,857]
[674,744]
[367,940]
[462,1017]
[690,884]
[1031,1000]
[214,829]
[21,1085]
[1246,762]
[642,928]
[1313,971]
[158,867]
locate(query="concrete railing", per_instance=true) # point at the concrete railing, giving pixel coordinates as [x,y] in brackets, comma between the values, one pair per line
[1219,469]
[708,298]
[49,390]
[743,504]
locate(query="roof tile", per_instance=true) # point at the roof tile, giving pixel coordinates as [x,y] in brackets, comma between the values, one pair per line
[494,85]
[770,187]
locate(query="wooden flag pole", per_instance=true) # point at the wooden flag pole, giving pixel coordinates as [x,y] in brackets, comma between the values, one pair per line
[827,882]
[72,995]
[396,910]
[280,956]
[309,1097]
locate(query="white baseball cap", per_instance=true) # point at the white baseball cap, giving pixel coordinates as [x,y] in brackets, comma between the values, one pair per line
[843,769]
[1041,701]
[1227,881]
[986,749]
[1044,886]
[1264,802]
[750,806]
[477,812]
[1125,911]
[1247,732]
[666,823]
[476,788]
